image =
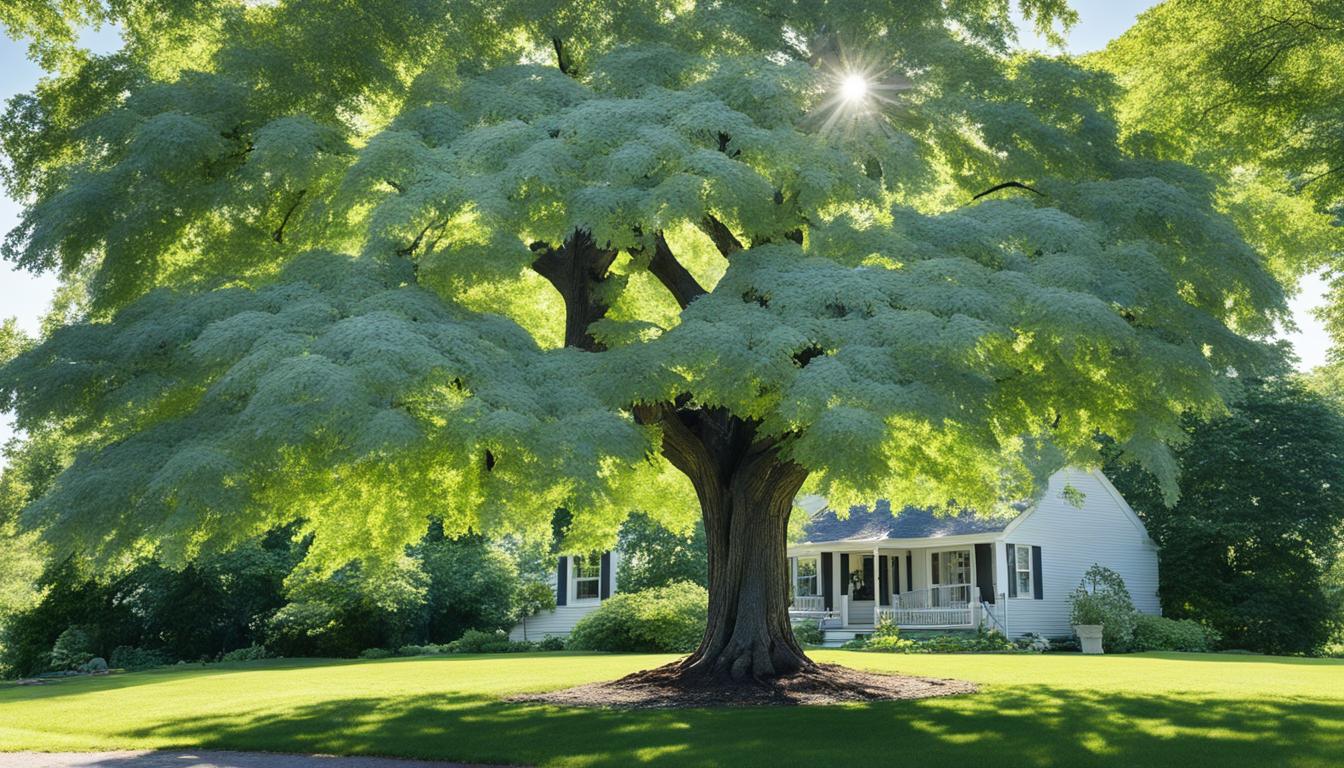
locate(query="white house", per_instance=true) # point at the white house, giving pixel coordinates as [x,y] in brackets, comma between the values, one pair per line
[581,583]
[1012,573]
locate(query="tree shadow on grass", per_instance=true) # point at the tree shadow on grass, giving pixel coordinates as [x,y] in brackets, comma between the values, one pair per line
[1026,726]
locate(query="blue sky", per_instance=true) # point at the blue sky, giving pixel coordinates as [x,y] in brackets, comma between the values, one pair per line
[27,296]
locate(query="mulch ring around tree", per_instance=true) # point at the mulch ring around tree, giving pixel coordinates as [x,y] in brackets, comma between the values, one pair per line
[664,688]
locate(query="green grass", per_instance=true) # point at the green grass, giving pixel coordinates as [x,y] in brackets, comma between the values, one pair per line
[1055,710]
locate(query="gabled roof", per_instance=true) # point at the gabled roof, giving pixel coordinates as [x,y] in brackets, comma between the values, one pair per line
[877,523]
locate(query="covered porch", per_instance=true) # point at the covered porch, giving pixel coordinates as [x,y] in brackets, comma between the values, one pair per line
[937,585]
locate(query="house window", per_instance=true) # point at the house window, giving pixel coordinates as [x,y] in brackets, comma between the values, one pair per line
[805,577]
[587,577]
[1022,566]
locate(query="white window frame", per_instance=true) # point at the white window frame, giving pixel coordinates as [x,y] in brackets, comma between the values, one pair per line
[575,578]
[816,575]
[1021,565]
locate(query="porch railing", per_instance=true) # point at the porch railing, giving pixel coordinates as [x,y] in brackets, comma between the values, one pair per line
[916,618]
[808,603]
[944,605]
[940,596]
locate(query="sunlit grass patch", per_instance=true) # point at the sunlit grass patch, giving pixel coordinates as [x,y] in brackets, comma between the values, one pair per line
[1180,710]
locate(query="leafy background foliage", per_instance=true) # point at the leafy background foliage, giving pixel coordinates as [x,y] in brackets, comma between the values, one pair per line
[1253,548]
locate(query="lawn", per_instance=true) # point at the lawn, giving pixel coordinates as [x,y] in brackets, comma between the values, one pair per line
[1054,710]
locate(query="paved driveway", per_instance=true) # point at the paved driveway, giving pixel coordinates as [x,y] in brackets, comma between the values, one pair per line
[196,758]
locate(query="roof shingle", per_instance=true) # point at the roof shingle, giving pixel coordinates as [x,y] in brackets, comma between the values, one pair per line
[878,522]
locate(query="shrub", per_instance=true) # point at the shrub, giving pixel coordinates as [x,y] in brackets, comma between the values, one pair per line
[422,650]
[250,653]
[551,643]
[131,658]
[887,637]
[1156,633]
[375,653]
[93,666]
[1032,642]
[808,633]
[476,641]
[1102,598]
[667,619]
[1064,644]
[982,641]
[72,648]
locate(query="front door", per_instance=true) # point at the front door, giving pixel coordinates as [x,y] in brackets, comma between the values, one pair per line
[865,592]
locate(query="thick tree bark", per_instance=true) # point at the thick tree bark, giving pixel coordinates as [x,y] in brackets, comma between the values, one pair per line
[748,635]
[746,493]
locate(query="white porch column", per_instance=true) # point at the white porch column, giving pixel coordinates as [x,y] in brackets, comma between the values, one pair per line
[877,586]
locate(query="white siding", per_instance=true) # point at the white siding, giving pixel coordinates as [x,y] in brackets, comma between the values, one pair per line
[1071,539]
[561,621]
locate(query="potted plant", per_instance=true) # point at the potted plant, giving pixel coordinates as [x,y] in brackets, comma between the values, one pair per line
[1102,611]
[1088,619]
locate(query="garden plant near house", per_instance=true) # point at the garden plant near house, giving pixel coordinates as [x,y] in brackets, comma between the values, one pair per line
[1101,599]
[348,270]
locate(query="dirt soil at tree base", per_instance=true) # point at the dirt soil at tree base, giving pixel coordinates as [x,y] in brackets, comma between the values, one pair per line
[664,688]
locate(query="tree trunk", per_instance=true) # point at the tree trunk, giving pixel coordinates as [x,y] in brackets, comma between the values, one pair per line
[746,491]
[746,495]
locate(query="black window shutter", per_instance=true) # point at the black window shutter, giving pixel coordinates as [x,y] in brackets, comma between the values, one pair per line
[827,586]
[984,571]
[1037,587]
[885,565]
[934,560]
[844,573]
[562,581]
[1012,570]
[909,570]
[604,591]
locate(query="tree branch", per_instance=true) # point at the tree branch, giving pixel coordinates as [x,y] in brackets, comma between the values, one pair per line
[279,234]
[562,59]
[1008,185]
[675,278]
[1320,176]
[576,270]
[723,237]
[408,250]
